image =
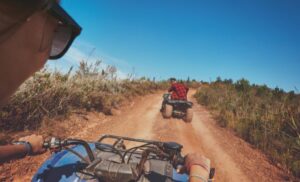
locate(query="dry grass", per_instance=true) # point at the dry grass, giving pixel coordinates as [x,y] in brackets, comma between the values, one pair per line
[267,118]
[51,94]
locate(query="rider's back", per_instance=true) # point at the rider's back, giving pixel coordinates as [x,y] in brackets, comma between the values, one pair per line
[179,91]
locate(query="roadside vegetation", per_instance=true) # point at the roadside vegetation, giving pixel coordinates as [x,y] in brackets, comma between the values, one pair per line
[267,118]
[53,94]
[49,94]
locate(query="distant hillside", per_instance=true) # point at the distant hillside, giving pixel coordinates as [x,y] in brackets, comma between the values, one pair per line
[267,118]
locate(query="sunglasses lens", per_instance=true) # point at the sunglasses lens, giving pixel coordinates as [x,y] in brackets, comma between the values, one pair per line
[61,39]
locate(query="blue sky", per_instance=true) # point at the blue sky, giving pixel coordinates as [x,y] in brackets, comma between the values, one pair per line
[255,39]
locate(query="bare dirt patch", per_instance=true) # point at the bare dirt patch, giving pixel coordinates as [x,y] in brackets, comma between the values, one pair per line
[233,158]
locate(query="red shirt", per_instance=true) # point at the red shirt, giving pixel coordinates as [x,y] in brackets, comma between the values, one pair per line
[179,91]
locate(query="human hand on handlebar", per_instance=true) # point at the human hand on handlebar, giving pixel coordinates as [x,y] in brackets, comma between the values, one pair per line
[36,142]
[197,166]
[196,159]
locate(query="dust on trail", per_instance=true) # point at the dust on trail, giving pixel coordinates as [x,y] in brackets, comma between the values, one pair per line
[196,137]
[233,158]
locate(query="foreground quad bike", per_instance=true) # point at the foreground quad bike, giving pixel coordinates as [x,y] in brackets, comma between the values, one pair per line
[77,160]
[177,108]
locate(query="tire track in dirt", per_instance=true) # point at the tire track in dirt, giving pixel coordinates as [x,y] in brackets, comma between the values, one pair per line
[233,158]
[195,137]
[232,155]
[135,120]
[222,161]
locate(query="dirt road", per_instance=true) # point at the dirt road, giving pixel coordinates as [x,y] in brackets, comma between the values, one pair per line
[234,159]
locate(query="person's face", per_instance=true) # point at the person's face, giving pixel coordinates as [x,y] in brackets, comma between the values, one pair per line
[24,52]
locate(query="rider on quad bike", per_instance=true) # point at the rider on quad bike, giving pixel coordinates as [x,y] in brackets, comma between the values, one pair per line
[32,31]
[178,90]
[175,103]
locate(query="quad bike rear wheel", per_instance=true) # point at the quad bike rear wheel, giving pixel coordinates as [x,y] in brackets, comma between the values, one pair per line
[167,112]
[189,115]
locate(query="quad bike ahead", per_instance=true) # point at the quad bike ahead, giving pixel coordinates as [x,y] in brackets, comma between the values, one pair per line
[177,108]
[78,160]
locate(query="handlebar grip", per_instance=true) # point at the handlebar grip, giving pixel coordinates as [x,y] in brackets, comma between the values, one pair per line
[46,145]
[53,143]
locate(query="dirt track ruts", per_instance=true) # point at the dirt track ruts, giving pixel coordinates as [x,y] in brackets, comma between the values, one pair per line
[233,158]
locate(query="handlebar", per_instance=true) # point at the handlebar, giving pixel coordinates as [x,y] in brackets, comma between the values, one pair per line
[57,144]
[172,150]
[169,150]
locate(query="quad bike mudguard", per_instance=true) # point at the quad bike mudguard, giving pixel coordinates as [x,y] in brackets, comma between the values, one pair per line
[178,106]
[180,103]
[64,166]
[183,104]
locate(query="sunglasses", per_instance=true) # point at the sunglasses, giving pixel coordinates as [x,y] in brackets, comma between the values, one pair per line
[65,33]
